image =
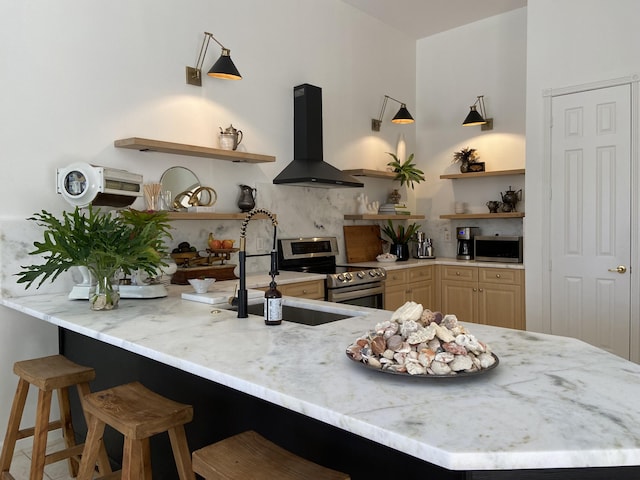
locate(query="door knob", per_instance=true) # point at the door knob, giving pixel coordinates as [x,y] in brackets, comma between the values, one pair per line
[619,269]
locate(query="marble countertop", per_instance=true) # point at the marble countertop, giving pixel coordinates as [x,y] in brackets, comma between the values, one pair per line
[552,402]
[418,262]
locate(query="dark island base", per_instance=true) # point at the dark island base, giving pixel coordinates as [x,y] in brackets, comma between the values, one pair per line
[220,412]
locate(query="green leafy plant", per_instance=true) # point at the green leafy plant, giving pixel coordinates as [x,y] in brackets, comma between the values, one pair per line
[400,235]
[100,241]
[406,172]
[466,155]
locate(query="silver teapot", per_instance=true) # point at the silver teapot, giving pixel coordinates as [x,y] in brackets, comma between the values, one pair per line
[230,138]
[511,198]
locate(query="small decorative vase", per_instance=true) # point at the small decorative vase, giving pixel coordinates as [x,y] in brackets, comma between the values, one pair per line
[105,294]
[464,167]
[394,196]
[400,250]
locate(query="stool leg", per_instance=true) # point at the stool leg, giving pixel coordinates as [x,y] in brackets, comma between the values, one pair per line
[67,427]
[91,449]
[136,459]
[104,467]
[13,425]
[181,453]
[40,434]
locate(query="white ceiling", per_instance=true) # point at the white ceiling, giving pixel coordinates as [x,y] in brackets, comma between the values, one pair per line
[421,18]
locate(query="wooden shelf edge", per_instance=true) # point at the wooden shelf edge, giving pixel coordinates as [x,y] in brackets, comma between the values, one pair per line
[495,173]
[363,172]
[149,145]
[383,217]
[483,215]
[212,216]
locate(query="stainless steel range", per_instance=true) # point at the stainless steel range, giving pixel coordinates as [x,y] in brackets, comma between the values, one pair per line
[344,284]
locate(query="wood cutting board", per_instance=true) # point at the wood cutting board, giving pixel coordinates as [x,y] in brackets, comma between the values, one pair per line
[362,243]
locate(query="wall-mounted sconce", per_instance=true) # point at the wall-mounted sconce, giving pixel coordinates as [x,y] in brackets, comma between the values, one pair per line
[478,118]
[223,68]
[402,117]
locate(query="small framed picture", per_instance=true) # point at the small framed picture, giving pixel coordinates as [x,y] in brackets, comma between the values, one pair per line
[476,167]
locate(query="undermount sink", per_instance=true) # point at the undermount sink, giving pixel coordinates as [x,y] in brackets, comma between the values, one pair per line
[295,314]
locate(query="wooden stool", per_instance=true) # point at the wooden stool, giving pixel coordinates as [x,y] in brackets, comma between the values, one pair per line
[138,414]
[249,455]
[47,374]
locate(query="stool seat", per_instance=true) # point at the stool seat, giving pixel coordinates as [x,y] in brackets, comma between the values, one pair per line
[53,373]
[138,414]
[250,455]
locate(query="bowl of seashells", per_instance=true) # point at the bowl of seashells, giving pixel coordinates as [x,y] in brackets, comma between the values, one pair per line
[421,343]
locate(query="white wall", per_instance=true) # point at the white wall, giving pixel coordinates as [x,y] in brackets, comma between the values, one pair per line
[572,42]
[487,58]
[77,75]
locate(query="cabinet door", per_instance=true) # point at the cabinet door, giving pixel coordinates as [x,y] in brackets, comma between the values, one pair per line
[394,297]
[422,293]
[460,299]
[500,305]
[313,289]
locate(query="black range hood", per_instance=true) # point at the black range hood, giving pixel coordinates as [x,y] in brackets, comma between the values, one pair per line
[308,169]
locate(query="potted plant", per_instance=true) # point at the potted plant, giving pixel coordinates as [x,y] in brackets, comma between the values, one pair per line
[466,156]
[399,238]
[103,242]
[406,171]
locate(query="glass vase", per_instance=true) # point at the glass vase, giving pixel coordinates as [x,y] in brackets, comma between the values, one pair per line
[105,294]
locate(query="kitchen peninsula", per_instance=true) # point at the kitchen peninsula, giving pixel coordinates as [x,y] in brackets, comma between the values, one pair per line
[552,403]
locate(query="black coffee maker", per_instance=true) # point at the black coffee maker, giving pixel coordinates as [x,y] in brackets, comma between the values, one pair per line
[465,242]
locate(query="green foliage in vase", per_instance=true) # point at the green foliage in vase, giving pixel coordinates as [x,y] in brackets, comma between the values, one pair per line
[104,243]
[466,155]
[400,235]
[406,172]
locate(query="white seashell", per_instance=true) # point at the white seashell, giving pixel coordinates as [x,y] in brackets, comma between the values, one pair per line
[420,336]
[374,362]
[439,368]
[415,369]
[461,362]
[388,353]
[399,358]
[444,357]
[449,321]
[426,356]
[391,330]
[408,327]
[406,348]
[470,342]
[486,360]
[434,345]
[394,342]
[444,334]
[409,311]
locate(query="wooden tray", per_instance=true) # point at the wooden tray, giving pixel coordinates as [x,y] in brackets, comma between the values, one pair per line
[362,243]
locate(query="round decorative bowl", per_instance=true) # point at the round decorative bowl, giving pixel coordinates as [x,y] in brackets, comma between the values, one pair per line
[387,258]
[201,285]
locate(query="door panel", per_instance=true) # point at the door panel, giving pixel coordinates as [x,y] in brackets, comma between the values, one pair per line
[591,213]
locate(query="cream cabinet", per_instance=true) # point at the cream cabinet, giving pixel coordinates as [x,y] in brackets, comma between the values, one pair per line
[313,289]
[415,283]
[492,296]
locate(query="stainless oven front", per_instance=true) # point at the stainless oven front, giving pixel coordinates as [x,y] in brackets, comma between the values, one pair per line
[367,295]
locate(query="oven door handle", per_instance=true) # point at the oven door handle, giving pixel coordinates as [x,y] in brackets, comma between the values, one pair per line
[351,295]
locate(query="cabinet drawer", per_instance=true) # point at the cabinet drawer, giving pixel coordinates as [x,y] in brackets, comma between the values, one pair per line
[313,289]
[420,274]
[505,276]
[396,277]
[462,274]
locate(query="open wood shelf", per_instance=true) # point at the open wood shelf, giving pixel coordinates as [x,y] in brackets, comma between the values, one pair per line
[495,173]
[148,145]
[363,172]
[212,216]
[484,215]
[371,216]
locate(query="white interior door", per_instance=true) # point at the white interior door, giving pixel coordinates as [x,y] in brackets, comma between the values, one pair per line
[590,217]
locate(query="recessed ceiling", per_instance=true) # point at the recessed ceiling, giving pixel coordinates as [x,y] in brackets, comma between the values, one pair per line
[422,18]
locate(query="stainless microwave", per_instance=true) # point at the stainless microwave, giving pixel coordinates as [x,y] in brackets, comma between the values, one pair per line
[498,248]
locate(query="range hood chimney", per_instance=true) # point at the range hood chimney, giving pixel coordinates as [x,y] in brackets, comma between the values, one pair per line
[308,169]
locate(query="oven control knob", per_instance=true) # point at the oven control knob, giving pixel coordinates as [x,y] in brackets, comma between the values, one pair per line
[360,274]
[340,277]
[372,273]
[348,276]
